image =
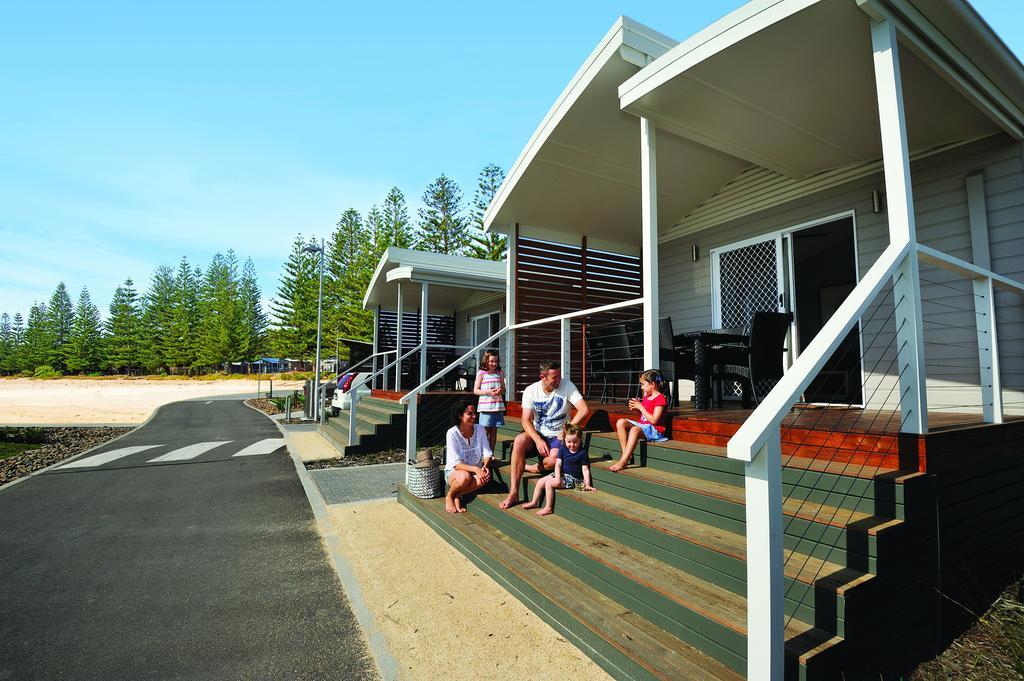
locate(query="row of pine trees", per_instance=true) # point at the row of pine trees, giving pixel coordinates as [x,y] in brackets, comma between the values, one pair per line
[192,320]
[445,224]
[189,320]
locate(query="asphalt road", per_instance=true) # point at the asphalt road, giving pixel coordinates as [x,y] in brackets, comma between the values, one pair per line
[202,564]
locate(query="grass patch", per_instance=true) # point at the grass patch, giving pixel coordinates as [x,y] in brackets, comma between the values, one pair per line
[991,650]
[9,449]
[14,441]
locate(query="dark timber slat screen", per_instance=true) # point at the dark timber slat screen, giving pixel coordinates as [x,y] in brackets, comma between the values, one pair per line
[553,279]
[440,331]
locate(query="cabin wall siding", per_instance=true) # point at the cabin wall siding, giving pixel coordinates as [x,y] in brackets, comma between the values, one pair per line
[940,202]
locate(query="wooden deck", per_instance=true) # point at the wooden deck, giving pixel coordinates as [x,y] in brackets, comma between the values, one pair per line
[848,437]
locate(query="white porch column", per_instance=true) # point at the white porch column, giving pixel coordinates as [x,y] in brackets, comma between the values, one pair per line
[984,303]
[902,229]
[376,338]
[766,622]
[510,314]
[424,299]
[398,340]
[649,243]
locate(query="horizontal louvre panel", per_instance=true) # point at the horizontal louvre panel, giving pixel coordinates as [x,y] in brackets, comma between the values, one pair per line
[555,279]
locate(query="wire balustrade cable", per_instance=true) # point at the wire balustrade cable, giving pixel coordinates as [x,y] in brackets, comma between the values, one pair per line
[802,540]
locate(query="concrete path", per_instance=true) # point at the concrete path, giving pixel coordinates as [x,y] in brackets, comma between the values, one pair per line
[184,550]
[359,483]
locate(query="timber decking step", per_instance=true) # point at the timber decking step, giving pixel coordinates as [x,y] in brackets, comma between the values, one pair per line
[622,642]
[701,598]
[798,566]
[796,508]
[859,470]
[382,404]
[369,406]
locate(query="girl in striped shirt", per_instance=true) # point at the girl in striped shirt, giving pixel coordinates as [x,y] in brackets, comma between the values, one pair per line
[490,386]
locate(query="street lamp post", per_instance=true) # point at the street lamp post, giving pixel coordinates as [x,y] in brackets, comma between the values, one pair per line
[315,412]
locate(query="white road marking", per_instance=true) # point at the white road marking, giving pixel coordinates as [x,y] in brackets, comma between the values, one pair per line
[209,402]
[189,452]
[107,457]
[262,447]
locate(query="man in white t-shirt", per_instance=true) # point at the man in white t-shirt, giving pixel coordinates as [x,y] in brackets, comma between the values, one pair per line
[545,409]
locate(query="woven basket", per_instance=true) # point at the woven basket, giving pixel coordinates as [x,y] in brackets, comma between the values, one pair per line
[425,483]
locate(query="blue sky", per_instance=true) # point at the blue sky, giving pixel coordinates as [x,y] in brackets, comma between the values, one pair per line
[137,133]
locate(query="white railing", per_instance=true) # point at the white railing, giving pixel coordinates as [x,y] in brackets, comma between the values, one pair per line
[353,390]
[410,399]
[758,441]
[321,395]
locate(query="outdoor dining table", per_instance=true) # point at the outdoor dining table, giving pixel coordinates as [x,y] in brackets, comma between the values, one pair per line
[701,340]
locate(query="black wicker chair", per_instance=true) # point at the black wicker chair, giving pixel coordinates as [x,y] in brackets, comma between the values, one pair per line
[757,363]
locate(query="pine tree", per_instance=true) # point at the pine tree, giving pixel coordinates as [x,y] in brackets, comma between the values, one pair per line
[486,245]
[17,342]
[180,347]
[218,313]
[294,307]
[252,321]
[84,351]
[349,266]
[60,316]
[158,319]
[442,226]
[6,344]
[376,234]
[123,329]
[396,224]
[38,339]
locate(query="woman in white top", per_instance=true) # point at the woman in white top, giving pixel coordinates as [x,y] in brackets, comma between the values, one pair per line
[467,457]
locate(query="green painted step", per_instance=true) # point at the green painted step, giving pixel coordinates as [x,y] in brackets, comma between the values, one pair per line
[877,493]
[842,536]
[384,412]
[368,439]
[383,404]
[809,481]
[817,591]
[699,612]
[621,641]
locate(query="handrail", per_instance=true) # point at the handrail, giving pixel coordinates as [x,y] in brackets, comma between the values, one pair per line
[767,417]
[430,381]
[363,382]
[348,370]
[955,264]
[522,325]
[353,392]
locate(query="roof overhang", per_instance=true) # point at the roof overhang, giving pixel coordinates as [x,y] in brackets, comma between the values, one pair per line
[451,279]
[788,85]
[580,171]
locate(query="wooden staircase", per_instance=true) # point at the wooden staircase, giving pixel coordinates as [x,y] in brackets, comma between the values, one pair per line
[380,425]
[648,574]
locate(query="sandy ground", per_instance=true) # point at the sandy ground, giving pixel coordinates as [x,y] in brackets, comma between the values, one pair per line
[443,617]
[310,446]
[130,401]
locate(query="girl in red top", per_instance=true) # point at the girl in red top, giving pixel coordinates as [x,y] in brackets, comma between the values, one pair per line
[653,409]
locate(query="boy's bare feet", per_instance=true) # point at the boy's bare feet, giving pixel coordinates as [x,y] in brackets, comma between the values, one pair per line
[544,511]
[617,466]
[459,508]
[531,468]
[450,505]
[508,502]
[530,505]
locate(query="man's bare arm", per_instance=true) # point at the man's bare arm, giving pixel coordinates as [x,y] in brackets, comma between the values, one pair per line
[581,411]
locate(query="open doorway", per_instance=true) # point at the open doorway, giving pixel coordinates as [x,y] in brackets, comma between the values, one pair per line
[823,272]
